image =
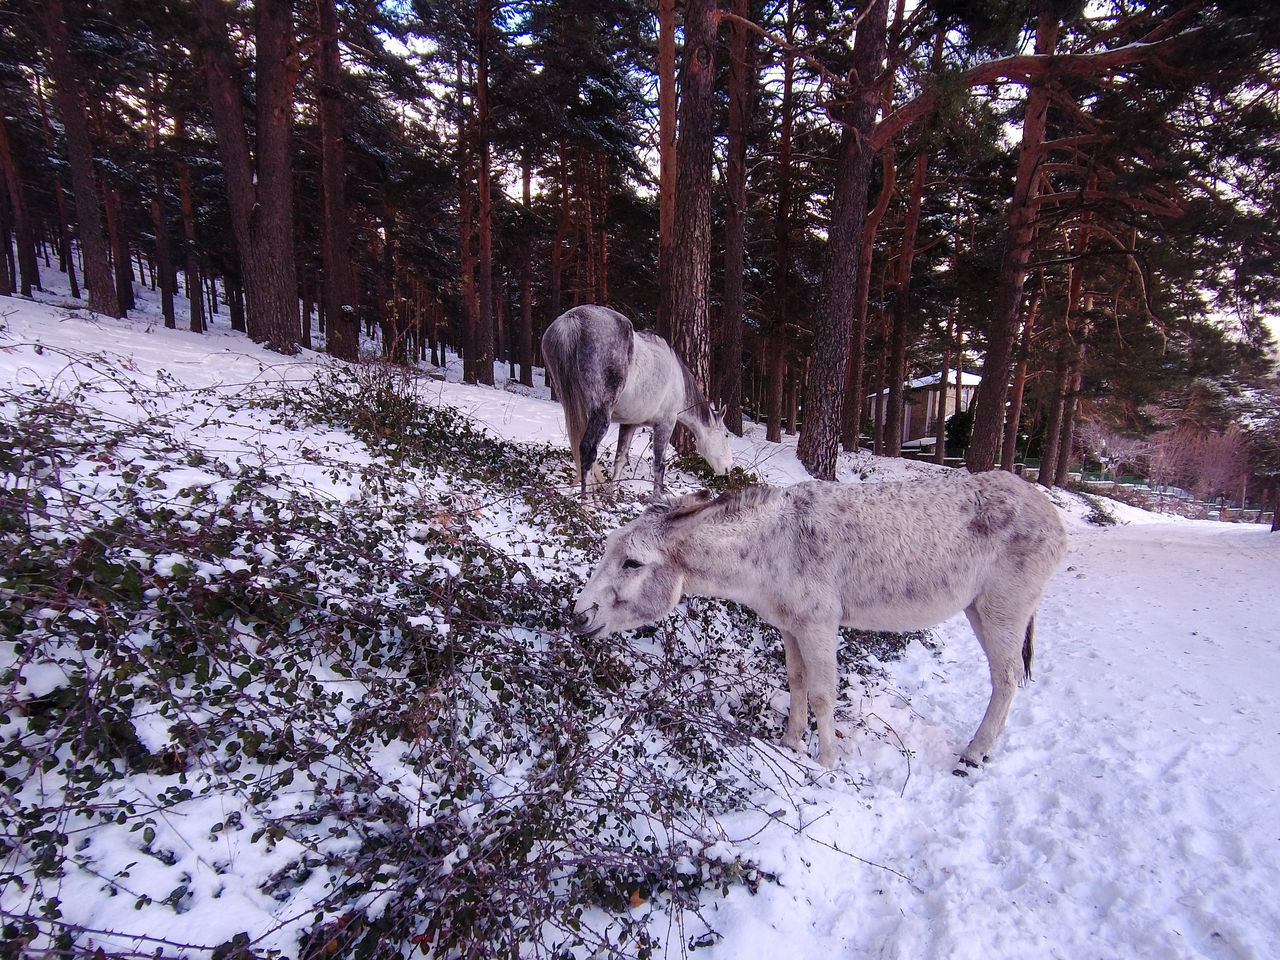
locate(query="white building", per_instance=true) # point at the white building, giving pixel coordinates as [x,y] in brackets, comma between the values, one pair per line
[920,402]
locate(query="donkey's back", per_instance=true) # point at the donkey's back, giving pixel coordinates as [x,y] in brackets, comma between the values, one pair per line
[903,556]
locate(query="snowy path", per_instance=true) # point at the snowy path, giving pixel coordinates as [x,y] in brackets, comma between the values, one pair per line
[1129,811]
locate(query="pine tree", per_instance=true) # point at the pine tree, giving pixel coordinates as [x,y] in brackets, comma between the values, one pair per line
[819,441]
[691,243]
[66,74]
[259,178]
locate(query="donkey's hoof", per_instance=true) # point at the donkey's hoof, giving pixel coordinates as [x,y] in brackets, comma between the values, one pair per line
[797,744]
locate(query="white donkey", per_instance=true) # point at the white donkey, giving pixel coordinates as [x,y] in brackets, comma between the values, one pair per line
[816,556]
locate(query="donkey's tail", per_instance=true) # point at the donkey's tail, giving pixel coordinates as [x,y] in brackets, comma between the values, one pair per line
[559,354]
[1028,651]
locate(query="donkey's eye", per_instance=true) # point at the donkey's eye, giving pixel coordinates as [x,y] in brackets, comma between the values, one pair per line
[629,564]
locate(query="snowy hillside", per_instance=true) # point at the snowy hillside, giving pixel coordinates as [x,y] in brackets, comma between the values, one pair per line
[258,778]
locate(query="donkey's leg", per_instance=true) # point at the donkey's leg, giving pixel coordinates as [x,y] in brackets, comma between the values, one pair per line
[626,431]
[1001,632]
[661,437]
[798,707]
[816,646]
[819,647]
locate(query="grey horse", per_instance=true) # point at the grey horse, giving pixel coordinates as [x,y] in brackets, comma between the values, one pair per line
[605,371]
[816,556]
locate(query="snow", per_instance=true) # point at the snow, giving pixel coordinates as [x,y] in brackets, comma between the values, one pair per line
[1127,811]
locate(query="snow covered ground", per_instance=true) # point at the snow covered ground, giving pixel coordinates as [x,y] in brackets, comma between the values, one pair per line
[1128,811]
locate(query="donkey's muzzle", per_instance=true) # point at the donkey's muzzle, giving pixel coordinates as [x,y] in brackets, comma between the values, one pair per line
[582,622]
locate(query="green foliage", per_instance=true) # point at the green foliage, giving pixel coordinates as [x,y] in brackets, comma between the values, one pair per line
[347,664]
[960,429]
[698,469]
[1100,514]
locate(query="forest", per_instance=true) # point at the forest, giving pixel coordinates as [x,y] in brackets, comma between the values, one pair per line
[816,203]
[286,671]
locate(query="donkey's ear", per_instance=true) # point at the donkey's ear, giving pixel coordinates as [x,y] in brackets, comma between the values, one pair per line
[719,412]
[690,505]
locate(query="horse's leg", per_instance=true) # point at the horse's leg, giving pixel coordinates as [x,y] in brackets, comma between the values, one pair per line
[1001,633]
[626,431]
[589,445]
[661,437]
[798,707]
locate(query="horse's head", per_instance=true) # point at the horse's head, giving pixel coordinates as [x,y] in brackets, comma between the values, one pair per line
[639,579]
[713,443]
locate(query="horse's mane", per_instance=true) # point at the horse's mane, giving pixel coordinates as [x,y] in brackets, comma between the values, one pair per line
[693,396]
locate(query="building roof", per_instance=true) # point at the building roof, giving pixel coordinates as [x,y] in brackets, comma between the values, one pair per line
[966,380]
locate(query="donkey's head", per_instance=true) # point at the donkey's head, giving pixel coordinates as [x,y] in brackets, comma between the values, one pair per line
[639,580]
[712,442]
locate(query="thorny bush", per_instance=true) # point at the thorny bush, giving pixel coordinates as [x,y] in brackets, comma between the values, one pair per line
[249,657]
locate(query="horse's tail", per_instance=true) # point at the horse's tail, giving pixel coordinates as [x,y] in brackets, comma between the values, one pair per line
[1028,650]
[559,355]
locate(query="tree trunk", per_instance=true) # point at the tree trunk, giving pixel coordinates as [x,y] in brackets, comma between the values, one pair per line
[164,263]
[525,339]
[159,216]
[66,256]
[586,230]
[8,267]
[602,225]
[484,326]
[666,158]
[1009,449]
[855,391]
[562,234]
[235,303]
[1066,441]
[389,312]
[308,284]
[940,405]
[901,338]
[1019,235]
[877,405]
[819,441]
[118,237]
[742,68]
[691,243]
[190,246]
[259,183]
[1049,449]
[466,255]
[342,336]
[900,335]
[776,384]
[28,269]
[84,181]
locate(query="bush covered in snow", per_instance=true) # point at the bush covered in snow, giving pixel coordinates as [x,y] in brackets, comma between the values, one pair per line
[256,668]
